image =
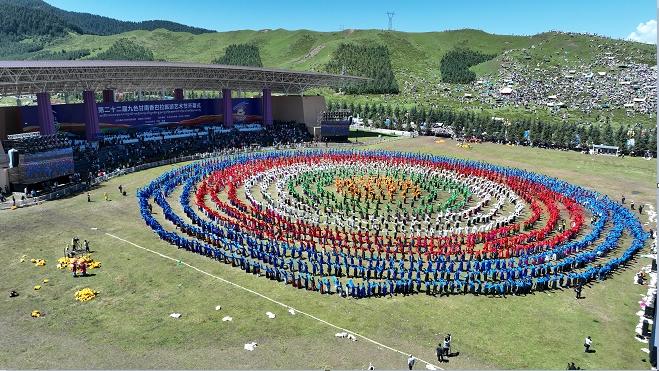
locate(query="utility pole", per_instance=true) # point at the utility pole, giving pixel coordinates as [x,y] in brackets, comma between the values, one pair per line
[391,20]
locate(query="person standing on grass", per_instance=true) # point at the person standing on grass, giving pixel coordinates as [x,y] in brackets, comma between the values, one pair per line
[640,209]
[83,268]
[577,291]
[440,353]
[587,344]
[89,197]
[623,199]
[74,268]
[411,361]
[446,347]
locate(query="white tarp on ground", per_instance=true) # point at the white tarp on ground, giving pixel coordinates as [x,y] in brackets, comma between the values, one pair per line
[400,133]
[250,346]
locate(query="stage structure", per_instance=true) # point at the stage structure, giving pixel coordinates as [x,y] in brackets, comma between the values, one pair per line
[41,78]
[334,125]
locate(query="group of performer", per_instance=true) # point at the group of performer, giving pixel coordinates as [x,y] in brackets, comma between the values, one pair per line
[241,210]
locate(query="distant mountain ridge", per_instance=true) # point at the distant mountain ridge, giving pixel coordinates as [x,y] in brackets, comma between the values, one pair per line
[93,24]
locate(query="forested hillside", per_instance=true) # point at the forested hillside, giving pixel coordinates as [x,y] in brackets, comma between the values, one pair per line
[455,65]
[366,61]
[241,55]
[89,23]
[17,23]
[126,50]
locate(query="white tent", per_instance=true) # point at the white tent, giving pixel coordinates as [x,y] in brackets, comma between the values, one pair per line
[507,90]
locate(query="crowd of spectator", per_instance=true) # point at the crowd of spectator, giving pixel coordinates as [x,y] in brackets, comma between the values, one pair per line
[122,150]
[38,143]
[603,84]
[125,150]
[604,78]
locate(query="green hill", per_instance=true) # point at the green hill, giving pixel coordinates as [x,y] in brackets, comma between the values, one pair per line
[415,58]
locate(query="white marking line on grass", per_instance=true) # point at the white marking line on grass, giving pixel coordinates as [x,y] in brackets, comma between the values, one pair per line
[270,299]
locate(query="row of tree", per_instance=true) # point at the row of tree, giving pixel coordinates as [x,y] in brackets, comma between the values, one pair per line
[241,55]
[69,55]
[18,50]
[371,61]
[455,64]
[632,140]
[126,50]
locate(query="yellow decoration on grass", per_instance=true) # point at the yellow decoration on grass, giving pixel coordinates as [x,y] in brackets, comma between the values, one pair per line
[45,280]
[39,262]
[64,262]
[36,314]
[85,294]
[37,287]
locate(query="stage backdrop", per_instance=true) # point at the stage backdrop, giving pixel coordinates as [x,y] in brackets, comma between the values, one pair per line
[140,115]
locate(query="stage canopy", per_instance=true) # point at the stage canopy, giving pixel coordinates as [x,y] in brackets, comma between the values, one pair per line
[31,77]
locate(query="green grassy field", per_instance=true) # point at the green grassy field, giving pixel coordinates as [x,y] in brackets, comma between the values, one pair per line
[128,324]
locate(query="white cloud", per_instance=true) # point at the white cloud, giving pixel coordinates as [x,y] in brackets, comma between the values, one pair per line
[645,32]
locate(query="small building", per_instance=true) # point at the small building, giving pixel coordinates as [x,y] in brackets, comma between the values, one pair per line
[601,149]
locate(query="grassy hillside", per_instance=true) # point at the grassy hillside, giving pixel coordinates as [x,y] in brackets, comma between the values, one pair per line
[417,54]
[415,58]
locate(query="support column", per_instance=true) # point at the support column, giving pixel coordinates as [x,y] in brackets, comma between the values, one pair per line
[108,96]
[92,127]
[227,108]
[45,114]
[266,107]
[178,94]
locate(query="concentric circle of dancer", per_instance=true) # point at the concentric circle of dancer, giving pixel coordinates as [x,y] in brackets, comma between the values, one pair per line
[374,223]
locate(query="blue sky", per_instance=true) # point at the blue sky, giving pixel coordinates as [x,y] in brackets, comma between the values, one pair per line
[615,18]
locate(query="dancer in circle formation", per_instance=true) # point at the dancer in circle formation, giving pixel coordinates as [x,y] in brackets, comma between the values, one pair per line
[375,223]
